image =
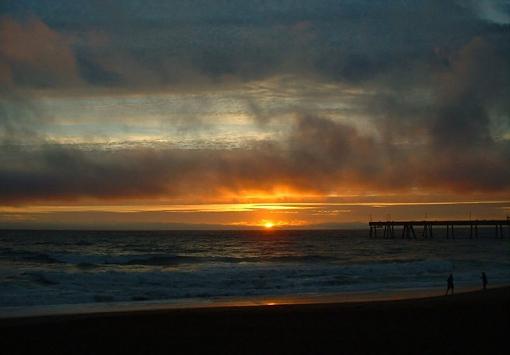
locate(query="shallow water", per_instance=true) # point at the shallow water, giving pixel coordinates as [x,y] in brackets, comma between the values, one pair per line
[70,267]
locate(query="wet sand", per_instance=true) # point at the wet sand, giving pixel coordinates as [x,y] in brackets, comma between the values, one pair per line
[473,323]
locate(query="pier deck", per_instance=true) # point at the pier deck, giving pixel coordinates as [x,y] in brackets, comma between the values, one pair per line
[408,227]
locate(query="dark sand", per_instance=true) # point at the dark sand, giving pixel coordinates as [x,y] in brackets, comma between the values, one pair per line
[470,323]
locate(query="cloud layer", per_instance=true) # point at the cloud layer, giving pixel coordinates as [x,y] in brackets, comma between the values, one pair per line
[407,97]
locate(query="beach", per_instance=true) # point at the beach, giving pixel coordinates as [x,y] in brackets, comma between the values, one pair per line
[473,322]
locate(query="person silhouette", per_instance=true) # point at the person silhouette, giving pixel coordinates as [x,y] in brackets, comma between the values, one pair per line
[450,284]
[484,281]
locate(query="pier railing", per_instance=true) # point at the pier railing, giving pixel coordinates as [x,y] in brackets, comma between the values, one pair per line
[407,228]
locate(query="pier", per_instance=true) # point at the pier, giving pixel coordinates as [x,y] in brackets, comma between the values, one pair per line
[425,229]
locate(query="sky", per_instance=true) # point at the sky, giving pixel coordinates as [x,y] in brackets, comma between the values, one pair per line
[236,114]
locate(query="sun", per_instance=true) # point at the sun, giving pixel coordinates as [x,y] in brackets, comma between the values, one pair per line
[268,225]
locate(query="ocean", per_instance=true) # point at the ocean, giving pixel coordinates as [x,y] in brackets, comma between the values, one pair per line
[40,268]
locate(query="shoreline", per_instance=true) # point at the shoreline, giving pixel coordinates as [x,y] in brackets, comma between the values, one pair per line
[226,302]
[468,323]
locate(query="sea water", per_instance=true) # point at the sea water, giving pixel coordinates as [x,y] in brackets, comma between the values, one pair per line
[70,267]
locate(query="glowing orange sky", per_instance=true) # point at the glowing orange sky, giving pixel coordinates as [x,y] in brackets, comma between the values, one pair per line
[314,118]
[245,215]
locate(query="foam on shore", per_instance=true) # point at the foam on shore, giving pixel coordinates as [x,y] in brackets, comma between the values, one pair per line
[224,302]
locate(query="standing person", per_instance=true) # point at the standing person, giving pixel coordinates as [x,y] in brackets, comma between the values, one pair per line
[450,284]
[484,281]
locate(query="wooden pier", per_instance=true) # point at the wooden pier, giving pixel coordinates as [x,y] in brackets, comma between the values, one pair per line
[407,228]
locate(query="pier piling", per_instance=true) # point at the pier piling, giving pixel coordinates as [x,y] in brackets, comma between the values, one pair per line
[408,231]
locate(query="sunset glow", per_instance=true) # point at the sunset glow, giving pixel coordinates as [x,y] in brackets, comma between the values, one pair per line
[298,121]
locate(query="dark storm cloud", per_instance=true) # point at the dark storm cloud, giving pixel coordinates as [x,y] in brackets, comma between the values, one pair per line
[435,77]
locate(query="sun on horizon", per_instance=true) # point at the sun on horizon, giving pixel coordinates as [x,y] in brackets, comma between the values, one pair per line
[268,225]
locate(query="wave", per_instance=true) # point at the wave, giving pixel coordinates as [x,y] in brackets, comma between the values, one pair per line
[72,286]
[178,259]
[170,259]
[29,256]
[72,267]
[40,278]
[87,260]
